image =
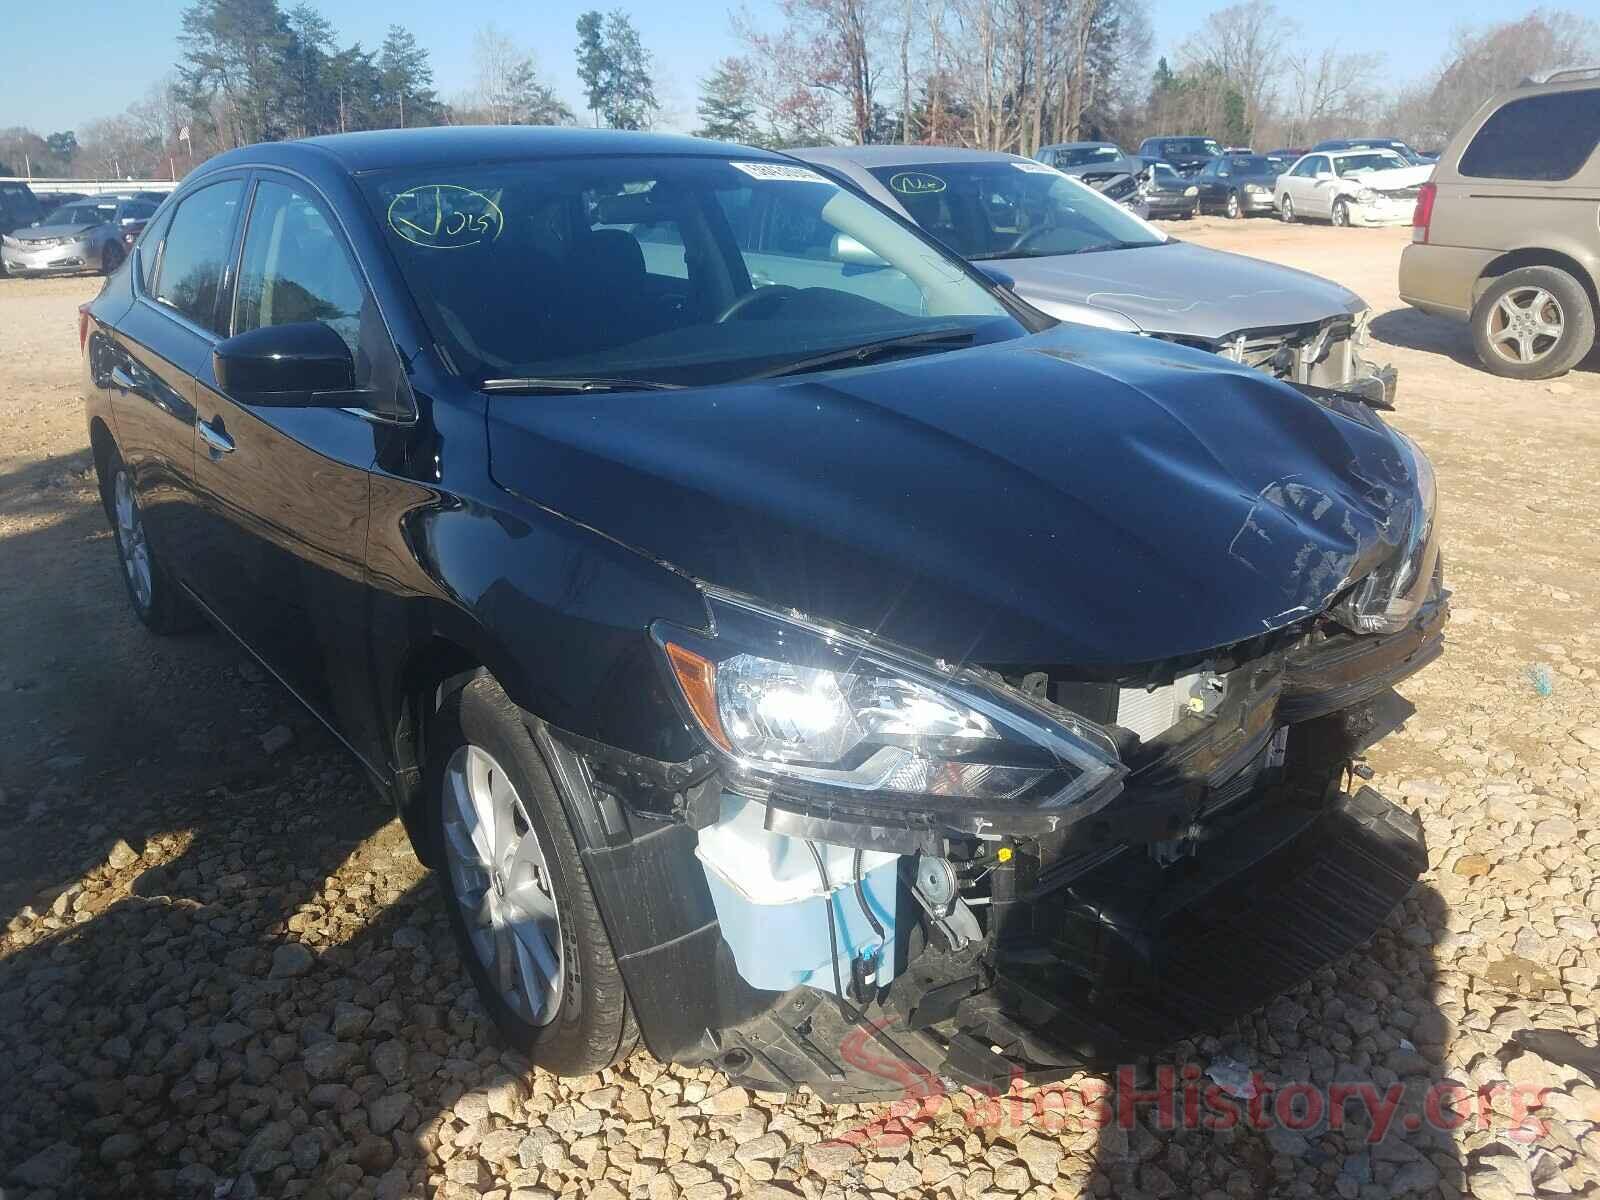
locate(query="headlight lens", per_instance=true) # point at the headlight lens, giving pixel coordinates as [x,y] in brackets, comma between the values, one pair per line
[1365,196]
[1388,599]
[799,707]
[1191,191]
[1255,189]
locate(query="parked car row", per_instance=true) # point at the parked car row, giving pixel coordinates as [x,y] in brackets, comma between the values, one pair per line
[774,632]
[84,233]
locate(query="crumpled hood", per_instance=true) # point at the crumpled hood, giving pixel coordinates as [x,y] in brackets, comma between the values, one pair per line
[1184,289]
[1074,497]
[1397,179]
[40,232]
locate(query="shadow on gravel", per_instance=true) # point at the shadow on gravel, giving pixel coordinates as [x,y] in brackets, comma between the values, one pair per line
[1413,329]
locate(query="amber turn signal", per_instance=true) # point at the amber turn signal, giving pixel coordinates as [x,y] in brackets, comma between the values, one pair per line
[697,676]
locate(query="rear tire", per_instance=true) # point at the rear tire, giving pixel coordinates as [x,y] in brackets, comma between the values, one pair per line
[524,916]
[157,600]
[1533,323]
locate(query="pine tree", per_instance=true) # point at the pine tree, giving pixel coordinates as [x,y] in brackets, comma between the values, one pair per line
[727,105]
[615,69]
[406,79]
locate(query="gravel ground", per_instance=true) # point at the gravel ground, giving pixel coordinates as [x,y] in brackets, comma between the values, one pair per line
[223,974]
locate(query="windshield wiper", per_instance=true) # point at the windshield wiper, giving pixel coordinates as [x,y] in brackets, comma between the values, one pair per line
[867,351]
[535,386]
[1121,245]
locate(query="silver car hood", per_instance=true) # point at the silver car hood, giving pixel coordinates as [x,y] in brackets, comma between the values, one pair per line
[39,232]
[1183,289]
[1393,180]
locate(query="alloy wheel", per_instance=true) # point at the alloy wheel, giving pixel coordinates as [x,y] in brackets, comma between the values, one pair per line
[1286,210]
[131,543]
[1341,213]
[1233,205]
[1525,325]
[500,878]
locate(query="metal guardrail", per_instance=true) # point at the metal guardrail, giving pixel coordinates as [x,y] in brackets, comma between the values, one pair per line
[90,187]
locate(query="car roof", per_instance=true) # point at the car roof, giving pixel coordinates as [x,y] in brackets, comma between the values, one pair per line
[900,156]
[377,150]
[1078,146]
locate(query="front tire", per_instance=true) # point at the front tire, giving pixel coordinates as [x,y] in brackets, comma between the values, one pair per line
[156,599]
[1341,214]
[1286,210]
[1533,323]
[517,895]
[1234,210]
[111,258]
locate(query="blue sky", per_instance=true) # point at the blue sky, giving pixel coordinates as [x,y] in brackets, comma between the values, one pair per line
[97,72]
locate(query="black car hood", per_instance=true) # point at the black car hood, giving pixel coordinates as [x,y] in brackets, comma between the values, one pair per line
[1074,497]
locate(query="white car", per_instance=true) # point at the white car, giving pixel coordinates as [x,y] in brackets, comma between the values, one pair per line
[1351,187]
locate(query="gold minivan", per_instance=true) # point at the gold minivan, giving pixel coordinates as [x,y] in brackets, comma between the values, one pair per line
[1506,234]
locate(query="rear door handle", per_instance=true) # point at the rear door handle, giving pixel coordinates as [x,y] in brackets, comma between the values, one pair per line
[219,442]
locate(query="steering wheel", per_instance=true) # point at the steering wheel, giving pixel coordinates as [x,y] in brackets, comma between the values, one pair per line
[1026,238]
[778,292]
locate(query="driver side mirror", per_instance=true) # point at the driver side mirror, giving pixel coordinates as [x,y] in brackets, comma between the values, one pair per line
[302,365]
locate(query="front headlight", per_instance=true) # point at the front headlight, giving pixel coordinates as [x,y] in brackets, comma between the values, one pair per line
[802,709]
[1191,191]
[1365,196]
[1389,599]
[7,240]
[1255,189]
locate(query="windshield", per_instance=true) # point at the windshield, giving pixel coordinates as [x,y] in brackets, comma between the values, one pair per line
[1373,160]
[1012,208]
[1256,165]
[680,270]
[1080,155]
[80,214]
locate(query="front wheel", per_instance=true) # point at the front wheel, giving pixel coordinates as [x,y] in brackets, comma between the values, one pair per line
[111,258]
[1233,209]
[1341,214]
[1533,323]
[518,897]
[1286,210]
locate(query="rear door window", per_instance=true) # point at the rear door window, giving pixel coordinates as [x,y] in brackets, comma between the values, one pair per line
[1546,138]
[194,261]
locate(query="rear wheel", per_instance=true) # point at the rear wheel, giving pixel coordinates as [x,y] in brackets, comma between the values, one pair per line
[1341,213]
[1286,210]
[519,901]
[1533,323]
[156,599]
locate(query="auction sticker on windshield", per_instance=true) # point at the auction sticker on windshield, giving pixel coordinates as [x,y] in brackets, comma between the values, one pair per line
[1033,168]
[778,171]
[445,216]
[915,183]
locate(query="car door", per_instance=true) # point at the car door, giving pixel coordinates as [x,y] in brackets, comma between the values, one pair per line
[1320,188]
[285,489]
[1296,184]
[157,348]
[1213,191]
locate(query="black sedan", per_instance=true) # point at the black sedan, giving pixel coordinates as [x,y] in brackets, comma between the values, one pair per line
[772,631]
[1238,185]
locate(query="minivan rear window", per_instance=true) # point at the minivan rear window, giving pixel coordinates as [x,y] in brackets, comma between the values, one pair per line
[1546,137]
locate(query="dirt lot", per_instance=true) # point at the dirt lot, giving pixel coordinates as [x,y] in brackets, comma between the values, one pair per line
[221,973]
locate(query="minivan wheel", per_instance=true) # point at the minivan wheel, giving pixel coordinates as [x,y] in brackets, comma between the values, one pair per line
[1286,211]
[515,889]
[1533,323]
[156,599]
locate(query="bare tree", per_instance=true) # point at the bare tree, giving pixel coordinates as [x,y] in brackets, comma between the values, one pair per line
[1243,45]
[1328,91]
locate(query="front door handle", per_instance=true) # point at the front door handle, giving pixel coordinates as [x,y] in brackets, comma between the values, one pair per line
[213,437]
[122,381]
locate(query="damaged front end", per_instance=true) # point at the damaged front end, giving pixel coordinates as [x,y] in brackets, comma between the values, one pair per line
[887,869]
